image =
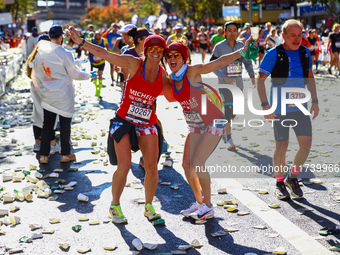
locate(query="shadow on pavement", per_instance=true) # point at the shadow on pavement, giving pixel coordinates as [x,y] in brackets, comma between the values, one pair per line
[226,243]
[174,205]
[68,200]
[320,219]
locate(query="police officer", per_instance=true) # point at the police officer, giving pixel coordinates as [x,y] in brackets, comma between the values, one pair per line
[230,74]
[290,66]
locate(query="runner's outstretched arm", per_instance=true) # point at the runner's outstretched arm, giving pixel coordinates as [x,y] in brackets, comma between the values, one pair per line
[220,62]
[115,59]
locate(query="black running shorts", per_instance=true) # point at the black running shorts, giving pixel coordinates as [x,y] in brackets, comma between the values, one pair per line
[300,122]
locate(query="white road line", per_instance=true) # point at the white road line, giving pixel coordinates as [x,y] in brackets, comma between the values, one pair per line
[287,229]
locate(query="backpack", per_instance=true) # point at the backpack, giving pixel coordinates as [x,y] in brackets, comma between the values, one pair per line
[281,69]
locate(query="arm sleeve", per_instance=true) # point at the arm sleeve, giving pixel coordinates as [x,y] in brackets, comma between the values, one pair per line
[72,69]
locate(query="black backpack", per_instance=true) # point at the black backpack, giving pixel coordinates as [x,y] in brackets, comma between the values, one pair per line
[281,69]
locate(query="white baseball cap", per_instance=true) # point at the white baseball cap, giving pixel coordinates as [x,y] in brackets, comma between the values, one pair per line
[126,28]
[179,26]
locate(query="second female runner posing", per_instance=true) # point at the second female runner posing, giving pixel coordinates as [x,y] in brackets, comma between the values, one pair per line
[204,130]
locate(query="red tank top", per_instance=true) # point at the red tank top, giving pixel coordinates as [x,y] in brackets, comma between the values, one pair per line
[190,98]
[138,101]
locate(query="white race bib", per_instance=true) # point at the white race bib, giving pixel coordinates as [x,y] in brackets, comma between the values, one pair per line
[296,95]
[337,44]
[139,112]
[234,69]
[193,119]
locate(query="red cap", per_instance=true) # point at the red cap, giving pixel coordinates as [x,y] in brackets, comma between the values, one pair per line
[181,48]
[154,40]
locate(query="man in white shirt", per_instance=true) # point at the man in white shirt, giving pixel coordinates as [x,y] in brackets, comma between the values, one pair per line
[54,72]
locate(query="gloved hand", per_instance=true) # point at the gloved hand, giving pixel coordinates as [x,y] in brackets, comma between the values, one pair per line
[252,51]
[94,74]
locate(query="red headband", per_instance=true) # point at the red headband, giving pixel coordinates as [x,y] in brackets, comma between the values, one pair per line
[181,48]
[154,40]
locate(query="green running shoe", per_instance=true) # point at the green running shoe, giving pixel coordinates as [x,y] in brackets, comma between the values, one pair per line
[150,212]
[117,214]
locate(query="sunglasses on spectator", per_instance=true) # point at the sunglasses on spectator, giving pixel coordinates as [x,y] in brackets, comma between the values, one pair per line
[153,49]
[177,55]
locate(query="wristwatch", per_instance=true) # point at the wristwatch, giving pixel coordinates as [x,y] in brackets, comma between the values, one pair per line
[82,43]
[315,101]
[263,104]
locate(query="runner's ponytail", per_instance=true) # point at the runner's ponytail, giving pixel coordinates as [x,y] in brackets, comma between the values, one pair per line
[29,60]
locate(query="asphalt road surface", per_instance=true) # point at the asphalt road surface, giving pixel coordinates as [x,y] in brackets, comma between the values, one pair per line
[293,226]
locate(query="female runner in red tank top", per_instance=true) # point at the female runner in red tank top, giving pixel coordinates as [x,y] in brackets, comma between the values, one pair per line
[135,121]
[204,132]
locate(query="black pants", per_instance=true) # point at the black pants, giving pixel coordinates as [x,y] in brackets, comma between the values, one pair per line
[37,133]
[47,133]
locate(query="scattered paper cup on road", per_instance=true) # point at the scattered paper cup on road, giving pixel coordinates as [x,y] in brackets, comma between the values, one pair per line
[3,212]
[38,175]
[82,197]
[47,191]
[64,245]
[29,197]
[137,243]
[7,199]
[16,178]
[14,219]
[13,208]
[19,196]
[6,178]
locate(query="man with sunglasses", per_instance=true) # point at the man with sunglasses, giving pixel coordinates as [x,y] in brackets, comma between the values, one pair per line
[230,74]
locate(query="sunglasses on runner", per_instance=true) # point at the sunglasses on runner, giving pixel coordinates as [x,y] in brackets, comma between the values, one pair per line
[177,55]
[153,49]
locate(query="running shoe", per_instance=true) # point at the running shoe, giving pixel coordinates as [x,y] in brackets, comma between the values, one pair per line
[55,149]
[36,147]
[329,71]
[232,146]
[293,185]
[203,213]
[67,158]
[117,214]
[43,159]
[150,212]
[281,191]
[192,208]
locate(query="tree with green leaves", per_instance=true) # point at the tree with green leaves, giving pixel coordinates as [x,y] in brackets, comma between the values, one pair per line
[199,10]
[105,15]
[144,7]
[19,9]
